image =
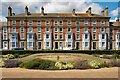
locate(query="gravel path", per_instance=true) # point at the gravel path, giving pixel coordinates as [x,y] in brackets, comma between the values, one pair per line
[90,73]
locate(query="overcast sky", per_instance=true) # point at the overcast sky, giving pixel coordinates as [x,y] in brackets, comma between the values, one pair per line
[56,6]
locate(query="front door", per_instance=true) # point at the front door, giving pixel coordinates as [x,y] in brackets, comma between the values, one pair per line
[94,45]
[56,45]
[77,45]
[39,45]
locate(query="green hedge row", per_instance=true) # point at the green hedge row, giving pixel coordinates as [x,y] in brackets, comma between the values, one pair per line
[4,52]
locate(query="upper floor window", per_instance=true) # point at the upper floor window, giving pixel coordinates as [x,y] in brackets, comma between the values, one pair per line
[56,36]
[85,29]
[30,22]
[103,36]
[94,21]
[86,36]
[77,36]
[102,22]
[39,22]
[13,29]
[30,29]
[13,22]
[22,22]
[102,29]
[47,22]
[77,22]
[69,22]
[5,36]
[118,36]
[47,29]
[86,22]
[55,22]
[61,29]
[69,29]
[69,36]
[13,36]
[22,36]
[39,36]
[111,29]
[39,29]
[55,29]
[30,36]
[77,29]
[61,36]
[94,29]
[22,29]
[4,29]
[61,22]
[47,36]
[94,36]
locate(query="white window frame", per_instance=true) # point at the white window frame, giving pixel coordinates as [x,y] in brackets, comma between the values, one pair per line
[13,22]
[94,29]
[68,35]
[68,29]
[38,36]
[77,30]
[4,29]
[77,38]
[60,21]
[21,22]
[48,29]
[22,36]
[62,29]
[102,22]
[94,22]
[4,36]
[47,44]
[14,30]
[94,36]
[48,22]
[102,29]
[39,28]
[56,37]
[77,22]
[85,29]
[30,22]
[87,44]
[60,36]
[69,22]
[48,36]
[21,29]
[85,21]
[30,29]
[38,22]
[56,29]
[55,22]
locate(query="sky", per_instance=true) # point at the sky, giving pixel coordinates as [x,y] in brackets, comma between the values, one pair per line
[57,6]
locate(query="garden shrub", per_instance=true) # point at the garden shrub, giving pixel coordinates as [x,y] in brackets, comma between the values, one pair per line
[82,64]
[114,63]
[64,65]
[37,64]
[53,68]
[11,63]
[115,56]
[95,64]
[2,63]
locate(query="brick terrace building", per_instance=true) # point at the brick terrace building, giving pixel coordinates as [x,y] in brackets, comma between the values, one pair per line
[61,31]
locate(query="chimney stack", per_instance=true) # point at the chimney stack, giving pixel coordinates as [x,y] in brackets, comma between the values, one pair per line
[26,10]
[103,14]
[89,11]
[42,11]
[73,12]
[106,11]
[9,11]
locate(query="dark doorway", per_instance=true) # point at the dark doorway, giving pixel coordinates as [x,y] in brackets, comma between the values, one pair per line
[39,45]
[77,45]
[56,45]
[94,45]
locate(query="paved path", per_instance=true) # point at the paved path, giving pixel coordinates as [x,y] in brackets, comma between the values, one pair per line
[91,73]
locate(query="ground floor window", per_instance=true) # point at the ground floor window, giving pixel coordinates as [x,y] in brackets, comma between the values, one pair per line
[4,44]
[69,44]
[47,44]
[30,44]
[86,44]
[61,44]
[118,44]
[22,44]
[103,44]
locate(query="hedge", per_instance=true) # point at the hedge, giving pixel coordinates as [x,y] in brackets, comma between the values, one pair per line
[21,52]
